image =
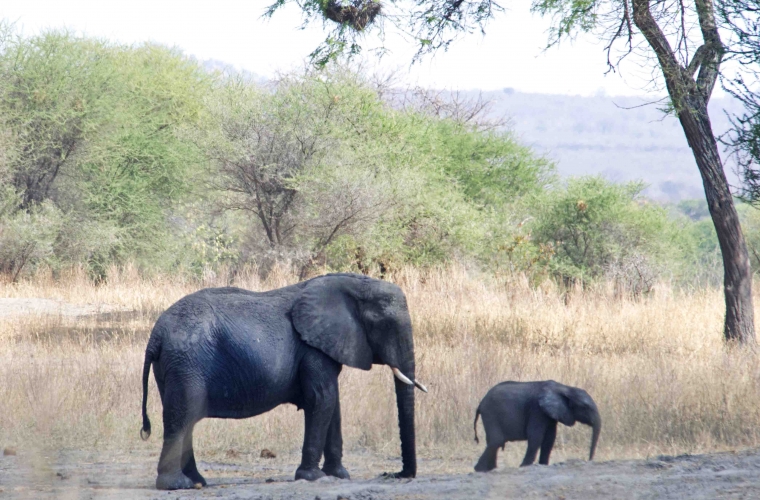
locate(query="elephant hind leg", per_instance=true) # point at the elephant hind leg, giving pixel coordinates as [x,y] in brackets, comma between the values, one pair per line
[189,467]
[178,427]
[488,459]
[170,475]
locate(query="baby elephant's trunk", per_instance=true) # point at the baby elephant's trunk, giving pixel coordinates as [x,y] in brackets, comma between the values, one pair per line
[596,426]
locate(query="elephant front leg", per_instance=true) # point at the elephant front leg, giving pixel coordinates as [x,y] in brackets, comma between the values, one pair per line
[536,431]
[548,443]
[333,465]
[319,389]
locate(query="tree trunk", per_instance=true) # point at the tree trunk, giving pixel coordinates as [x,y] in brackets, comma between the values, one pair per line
[737,276]
[690,99]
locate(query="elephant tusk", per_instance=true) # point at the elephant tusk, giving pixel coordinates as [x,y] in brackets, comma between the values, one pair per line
[406,380]
[401,376]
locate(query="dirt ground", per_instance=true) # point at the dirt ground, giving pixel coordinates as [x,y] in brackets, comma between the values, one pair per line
[87,475]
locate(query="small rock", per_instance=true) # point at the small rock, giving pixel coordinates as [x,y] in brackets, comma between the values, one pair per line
[269,480]
[62,475]
[267,453]
[198,486]
[10,450]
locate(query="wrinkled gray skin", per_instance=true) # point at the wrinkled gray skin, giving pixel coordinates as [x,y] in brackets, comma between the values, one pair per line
[519,411]
[232,353]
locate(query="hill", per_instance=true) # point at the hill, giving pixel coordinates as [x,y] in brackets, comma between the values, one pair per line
[622,138]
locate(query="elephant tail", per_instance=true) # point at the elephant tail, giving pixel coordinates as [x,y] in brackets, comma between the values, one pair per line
[475,424]
[145,431]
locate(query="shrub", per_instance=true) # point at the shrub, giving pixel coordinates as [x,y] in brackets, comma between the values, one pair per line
[597,229]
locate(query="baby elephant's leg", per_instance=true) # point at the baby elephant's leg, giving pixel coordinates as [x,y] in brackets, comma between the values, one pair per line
[494,441]
[536,432]
[487,460]
[548,443]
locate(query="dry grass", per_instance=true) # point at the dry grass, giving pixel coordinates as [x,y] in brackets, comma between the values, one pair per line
[657,368]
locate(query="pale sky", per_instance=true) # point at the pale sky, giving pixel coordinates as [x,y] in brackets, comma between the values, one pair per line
[510,55]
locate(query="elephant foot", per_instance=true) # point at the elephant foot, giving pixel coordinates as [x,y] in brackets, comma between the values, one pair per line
[309,474]
[483,468]
[336,471]
[174,481]
[398,475]
[195,477]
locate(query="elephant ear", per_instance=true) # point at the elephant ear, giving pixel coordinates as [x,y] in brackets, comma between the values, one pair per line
[556,406]
[327,318]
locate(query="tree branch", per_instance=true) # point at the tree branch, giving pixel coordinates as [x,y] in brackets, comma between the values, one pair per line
[708,70]
[696,61]
[672,71]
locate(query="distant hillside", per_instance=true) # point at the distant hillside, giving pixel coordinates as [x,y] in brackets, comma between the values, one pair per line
[590,135]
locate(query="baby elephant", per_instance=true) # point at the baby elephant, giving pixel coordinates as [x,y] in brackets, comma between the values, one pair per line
[519,411]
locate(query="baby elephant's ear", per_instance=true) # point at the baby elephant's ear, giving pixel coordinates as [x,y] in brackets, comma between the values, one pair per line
[326,316]
[556,406]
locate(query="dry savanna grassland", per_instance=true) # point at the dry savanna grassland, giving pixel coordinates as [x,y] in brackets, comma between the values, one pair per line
[657,367]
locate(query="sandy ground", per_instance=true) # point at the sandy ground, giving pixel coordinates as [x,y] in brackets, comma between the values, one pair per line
[87,475]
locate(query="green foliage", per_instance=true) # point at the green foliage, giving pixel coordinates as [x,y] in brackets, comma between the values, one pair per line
[90,129]
[570,16]
[137,167]
[596,229]
[337,177]
[50,97]
[112,153]
[750,219]
[26,237]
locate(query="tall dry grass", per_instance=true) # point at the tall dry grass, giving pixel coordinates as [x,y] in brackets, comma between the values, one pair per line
[657,367]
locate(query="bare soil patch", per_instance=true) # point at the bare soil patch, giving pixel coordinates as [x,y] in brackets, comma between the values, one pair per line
[101,475]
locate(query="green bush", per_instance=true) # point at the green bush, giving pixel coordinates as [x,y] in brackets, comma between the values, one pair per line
[89,130]
[112,153]
[593,228]
[332,175]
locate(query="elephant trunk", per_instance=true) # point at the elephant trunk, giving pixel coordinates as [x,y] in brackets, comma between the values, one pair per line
[405,403]
[596,426]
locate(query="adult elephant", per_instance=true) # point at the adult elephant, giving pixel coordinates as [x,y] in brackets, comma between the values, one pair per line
[520,411]
[232,353]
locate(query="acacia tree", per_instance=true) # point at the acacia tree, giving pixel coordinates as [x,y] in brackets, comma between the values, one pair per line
[283,156]
[679,39]
[49,99]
